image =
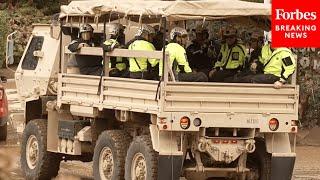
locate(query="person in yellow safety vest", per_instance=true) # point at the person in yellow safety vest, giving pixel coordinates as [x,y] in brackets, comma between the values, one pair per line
[178,58]
[279,65]
[118,65]
[231,58]
[143,68]
[254,64]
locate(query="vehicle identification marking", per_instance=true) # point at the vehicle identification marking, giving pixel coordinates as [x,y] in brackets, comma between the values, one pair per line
[252,121]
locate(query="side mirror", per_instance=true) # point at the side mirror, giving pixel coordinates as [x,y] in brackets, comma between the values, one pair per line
[55,31]
[9,49]
[55,27]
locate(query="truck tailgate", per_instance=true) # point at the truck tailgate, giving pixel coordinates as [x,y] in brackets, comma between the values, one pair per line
[230,97]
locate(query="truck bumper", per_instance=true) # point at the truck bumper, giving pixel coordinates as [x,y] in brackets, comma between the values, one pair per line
[282,167]
[170,167]
[3,120]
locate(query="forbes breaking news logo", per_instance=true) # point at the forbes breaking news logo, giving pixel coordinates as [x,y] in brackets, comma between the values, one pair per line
[295,31]
[295,23]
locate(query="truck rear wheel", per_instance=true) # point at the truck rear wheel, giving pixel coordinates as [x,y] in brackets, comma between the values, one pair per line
[141,160]
[36,161]
[3,132]
[259,162]
[109,155]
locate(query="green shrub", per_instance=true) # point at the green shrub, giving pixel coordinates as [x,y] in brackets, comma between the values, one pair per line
[3,35]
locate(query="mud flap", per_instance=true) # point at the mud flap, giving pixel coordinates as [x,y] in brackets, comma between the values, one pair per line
[282,166]
[169,167]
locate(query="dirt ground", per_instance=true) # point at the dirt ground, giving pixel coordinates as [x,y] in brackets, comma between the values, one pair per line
[307,165]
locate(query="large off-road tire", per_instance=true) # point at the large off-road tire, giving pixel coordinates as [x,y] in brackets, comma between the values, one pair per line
[3,132]
[109,155]
[260,162]
[36,161]
[141,160]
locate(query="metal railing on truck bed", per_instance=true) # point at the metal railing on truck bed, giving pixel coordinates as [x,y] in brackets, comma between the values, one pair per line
[175,97]
[115,93]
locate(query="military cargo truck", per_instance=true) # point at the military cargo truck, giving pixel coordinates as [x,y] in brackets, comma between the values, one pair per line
[144,129]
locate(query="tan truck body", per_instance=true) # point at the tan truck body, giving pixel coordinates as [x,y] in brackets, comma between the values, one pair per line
[217,126]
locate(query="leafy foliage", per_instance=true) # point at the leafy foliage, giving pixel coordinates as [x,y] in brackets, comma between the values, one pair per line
[3,35]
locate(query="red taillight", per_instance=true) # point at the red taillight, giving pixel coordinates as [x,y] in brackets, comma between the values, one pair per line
[234,141]
[273,124]
[185,122]
[3,104]
[294,123]
[225,141]
[165,127]
[216,141]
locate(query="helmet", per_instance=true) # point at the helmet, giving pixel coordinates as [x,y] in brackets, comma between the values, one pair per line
[177,31]
[230,31]
[269,36]
[144,28]
[86,28]
[113,29]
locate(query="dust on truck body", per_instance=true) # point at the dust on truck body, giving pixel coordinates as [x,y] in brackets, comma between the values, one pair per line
[143,129]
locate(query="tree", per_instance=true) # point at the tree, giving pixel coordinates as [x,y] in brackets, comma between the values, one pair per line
[10,4]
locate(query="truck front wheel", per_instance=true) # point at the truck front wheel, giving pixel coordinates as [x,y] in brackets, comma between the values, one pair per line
[141,160]
[36,161]
[109,155]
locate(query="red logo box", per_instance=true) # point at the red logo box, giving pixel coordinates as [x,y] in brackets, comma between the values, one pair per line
[295,23]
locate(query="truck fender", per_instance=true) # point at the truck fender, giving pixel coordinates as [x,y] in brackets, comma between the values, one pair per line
[170,158]
[282,159]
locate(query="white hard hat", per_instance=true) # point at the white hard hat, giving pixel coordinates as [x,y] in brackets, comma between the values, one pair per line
[177,31]
[113,28]
[145,28]
[86,28]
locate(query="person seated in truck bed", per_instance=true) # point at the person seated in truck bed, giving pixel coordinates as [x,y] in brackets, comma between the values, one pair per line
[231,58]
[279,65]
[118,65]
[254,65]
[143,68]
[198,52]
[178,58]
[88,65]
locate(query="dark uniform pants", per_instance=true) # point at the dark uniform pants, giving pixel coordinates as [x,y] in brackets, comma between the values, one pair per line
[193,77]
[143,75]
[94,70]
[222,75]
[118,73]
[237,78]
[259,78]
